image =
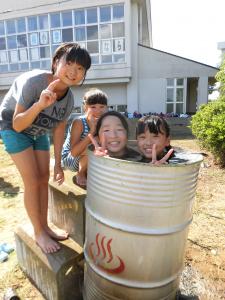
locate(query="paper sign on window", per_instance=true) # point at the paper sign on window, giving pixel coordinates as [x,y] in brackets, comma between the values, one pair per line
[106,47]
[3,57]
[56,36]
[33,39]
[118,44]
[43,38]
[34,53]
[14,56]
[23,54]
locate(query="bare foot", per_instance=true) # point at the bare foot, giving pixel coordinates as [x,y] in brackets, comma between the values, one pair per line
[81,180]
[57,234]
[46,244]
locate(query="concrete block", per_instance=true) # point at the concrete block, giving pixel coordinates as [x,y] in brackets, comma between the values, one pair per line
[66,207]
[57,276]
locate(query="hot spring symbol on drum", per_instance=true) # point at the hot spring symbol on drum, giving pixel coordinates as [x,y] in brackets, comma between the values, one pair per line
[101,253]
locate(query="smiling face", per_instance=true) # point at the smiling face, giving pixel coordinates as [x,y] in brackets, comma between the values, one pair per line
[95,110]
[113,135]
[70,73]
[146,140]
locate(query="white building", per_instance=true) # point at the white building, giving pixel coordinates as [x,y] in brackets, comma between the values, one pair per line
[117,34]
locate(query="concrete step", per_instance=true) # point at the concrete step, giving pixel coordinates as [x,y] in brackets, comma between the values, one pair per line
[58,275]
[66,207]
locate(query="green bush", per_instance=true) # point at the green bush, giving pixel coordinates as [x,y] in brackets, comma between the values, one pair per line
[220,77]
[208,125]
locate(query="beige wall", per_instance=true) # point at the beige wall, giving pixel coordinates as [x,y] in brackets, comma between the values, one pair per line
[117,93]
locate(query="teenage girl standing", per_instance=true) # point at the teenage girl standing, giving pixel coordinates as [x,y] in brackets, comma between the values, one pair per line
[37,102]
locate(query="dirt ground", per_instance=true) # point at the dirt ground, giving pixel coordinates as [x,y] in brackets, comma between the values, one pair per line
[204,273]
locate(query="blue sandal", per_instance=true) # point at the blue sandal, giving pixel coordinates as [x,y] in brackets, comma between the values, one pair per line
[7,248]
[3,256]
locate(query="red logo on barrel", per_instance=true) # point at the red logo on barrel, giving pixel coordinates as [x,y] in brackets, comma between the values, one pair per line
[101,253]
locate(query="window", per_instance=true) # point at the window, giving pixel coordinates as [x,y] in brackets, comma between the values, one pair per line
[29,42]
[175,97]
[12,42]
[44,52]
[92,47]
[67,35]
[118,29]
[105,14]
[3,68]
[33,39]
[43,22]
[122,108]
[92,32]
[55,20]
[3,56]
[2,44]
[92,15]
[67,19]
[23,55]
[22,40]
[79,17]
[44,37]
[56,36]
[2,28]
[13,56]
[32,23]
[106,47]
[118,45]
[80,34]
[10,26]
[105,31]
[107,59]
[21,25]
[34,53]
[118,11]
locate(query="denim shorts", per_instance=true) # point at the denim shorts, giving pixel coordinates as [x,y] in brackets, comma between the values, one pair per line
[16,142]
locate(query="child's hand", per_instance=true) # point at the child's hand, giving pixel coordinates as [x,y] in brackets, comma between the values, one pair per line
[99,150]
[162,160]
[92,124]
[48,96]
[58,174]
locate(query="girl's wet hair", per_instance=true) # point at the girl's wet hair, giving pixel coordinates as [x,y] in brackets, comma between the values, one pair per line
[72,52]
[115,114]
[95,96]
[154,124]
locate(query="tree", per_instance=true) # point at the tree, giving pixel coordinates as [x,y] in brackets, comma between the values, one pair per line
[208,124]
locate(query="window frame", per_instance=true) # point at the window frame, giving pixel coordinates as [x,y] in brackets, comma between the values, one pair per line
[175,87]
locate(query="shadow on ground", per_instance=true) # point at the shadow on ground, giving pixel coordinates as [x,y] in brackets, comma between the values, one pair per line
[8,189]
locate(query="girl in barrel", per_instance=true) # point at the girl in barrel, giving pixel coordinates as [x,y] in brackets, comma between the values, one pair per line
[112,137]
[153,140]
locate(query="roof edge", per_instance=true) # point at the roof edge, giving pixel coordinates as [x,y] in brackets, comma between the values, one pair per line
[188,59]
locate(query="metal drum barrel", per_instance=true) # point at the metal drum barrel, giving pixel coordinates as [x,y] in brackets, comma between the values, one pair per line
[137,218]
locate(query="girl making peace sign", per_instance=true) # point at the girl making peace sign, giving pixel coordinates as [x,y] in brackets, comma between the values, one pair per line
[37,102]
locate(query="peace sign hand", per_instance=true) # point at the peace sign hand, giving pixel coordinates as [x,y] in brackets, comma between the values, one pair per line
[92,124]
[48,96]
[99,150]
[162,160]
